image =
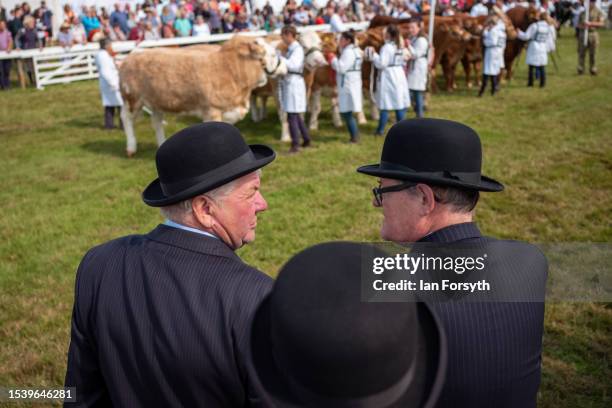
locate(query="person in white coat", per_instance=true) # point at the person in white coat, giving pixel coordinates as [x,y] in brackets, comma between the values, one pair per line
[335,21]
[293,88]
[494,43]
[479,9]
[418,48]
[348,81]
[538,35]
[391,85]
[109,82]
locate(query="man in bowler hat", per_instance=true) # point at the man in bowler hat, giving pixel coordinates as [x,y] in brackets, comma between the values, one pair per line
[314,343]
[162,319]
[429,184]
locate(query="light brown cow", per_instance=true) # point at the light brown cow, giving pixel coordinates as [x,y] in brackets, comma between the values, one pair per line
[214,84]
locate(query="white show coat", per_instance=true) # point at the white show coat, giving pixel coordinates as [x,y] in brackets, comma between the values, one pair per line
[109,79]
[292,86]
[494,43]
[417,67]
[503,40]
[479,10]
[391,86]
[348,79]
[551,45]
[538,36]
[336,24]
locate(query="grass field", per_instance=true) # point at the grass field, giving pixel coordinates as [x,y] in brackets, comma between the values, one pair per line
[66,186]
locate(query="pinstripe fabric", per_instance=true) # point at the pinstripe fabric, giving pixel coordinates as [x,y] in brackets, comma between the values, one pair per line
[162,320]
[494,356]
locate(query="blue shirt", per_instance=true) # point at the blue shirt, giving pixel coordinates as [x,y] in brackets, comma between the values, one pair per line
[186,228]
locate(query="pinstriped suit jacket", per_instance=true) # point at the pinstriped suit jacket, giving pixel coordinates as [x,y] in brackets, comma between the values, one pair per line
[494,348]
[162,320]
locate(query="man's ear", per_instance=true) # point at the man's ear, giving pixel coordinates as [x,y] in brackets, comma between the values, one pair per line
[203,210]
[427,199]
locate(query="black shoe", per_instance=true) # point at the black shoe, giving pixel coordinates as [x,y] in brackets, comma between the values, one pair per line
[306,143]
[594,72]
[294,150]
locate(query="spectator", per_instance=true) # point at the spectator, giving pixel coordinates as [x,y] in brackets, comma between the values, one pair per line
[241,23]
[45,15]
[254,24]
[27,39]
[337,25]
[182,25]
[64,37]
[200,28]
[150,33]
[6,45]
[137,33]
[2,13]
[271,23]
[91,22]
[228,22]
[78,32]
[69,15]
[121,18]
[167,16]
[16,23]
[115,33]
[301,17]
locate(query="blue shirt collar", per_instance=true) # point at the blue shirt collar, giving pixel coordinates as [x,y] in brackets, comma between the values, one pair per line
[173,224]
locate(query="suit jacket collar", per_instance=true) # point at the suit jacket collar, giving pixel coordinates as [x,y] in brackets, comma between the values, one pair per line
[452,233]
[191,241]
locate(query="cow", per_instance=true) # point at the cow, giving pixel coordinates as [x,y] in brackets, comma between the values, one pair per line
[214,84]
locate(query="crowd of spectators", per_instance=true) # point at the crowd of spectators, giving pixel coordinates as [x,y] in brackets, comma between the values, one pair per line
[154,19]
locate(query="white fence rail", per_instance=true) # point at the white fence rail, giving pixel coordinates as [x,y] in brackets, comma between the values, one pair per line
[58,65]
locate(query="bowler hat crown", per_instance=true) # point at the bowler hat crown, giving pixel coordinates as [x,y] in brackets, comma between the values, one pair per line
[316,343]
[435,151]
[200,158]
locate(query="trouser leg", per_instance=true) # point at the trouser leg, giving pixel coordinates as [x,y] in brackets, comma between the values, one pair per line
[483,86]
[530,77]
[593,43]
[294,129]
[109,115]
[417,97]
[382,121]
[493,84]
[2,75]
[351,125]
[303,130]
[581,55]
[542,70]
[399,114]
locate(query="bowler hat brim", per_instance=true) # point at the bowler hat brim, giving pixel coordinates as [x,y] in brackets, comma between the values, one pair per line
[154,195]
[276,390]
[485,184]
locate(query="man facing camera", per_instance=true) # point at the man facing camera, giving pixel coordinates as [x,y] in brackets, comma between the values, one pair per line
[162,319]
[429,184]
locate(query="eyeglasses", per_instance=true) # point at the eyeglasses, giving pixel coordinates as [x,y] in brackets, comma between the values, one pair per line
[379,191]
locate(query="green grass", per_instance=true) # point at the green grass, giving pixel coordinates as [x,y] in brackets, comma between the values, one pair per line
[66,186]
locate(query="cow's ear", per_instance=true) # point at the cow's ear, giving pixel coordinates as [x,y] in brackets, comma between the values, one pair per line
[256,50]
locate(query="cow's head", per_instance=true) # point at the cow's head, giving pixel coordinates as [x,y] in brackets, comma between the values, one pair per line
[313,53]
[272,64]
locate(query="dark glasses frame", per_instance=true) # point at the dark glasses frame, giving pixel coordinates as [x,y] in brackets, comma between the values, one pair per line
[379,191]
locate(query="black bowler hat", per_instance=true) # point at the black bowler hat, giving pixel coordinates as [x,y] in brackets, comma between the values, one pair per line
[200,158]
[434,151]
[314,343]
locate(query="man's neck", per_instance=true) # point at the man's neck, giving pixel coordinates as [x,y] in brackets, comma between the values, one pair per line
[449,219]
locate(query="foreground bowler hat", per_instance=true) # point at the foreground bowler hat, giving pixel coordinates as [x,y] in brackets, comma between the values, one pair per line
[200,158]
[314,343]
[434,151]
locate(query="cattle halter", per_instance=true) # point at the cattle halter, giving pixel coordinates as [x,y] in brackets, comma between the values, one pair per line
[275,69]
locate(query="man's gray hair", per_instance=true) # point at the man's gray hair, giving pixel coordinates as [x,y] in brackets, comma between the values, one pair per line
[177,212]
[459,199]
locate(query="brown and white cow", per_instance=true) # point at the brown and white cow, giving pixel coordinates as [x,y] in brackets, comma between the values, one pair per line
[213,84]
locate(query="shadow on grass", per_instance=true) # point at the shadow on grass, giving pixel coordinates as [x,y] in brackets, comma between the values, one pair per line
[116,148]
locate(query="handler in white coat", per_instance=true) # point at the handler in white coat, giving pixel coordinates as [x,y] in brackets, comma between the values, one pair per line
[538,35]
[293,88]
[494,42]
[391,85]
[417,66]
[348,81]
[109,82]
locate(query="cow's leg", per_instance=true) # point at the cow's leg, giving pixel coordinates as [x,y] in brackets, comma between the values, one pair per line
[254,112]
[315,109]
[157,121]
[127,118]
[336,120]
[467,68]
[263,111]
[282,116]
[213,115]
[235,115]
